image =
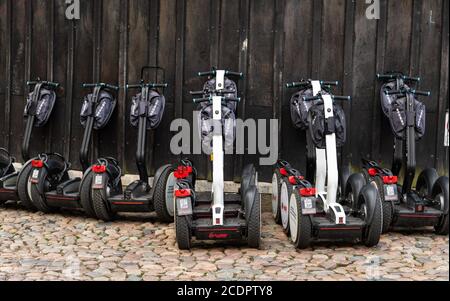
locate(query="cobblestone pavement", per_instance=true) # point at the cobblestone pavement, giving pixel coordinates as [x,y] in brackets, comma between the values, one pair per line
[34,246]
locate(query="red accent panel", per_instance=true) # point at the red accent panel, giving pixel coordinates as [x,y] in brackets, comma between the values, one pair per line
[306,192]
[283,172]
[183,193]
[293,180]
[37,163]
[99,169]
[183,172]
[390,180]
[372,172]
[218,235]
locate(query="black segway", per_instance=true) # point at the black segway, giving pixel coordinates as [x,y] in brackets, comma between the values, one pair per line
[217,215]
[39,107]
[107,197]
[50,185]
[310,213]
[403,206]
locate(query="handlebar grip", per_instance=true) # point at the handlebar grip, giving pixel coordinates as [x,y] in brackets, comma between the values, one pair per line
[296,84]
[411,79]
[197,92]
[160,85]
[422,93]
[348,98]
[112,87]
[234,99]
[207,73]
[311,98]
[200,100]
[393,92]
[386,76]
[133,86]
[327,83]
[232,73]
[30,83]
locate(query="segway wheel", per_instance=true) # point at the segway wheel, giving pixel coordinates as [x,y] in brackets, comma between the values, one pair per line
[285,193]
[101,210]
[85,195]
[254,223]
[183,232]
[300,225]
[373,229]
[23,188]
[163,199]
[276,187]
[440,194]
[426,181]
[387,206]
[36,197]
[354,185]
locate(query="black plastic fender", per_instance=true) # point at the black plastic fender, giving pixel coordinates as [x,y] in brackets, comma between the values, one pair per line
[85,174]
[441,185]
[369,194]
[248,178]
[157,176]
[249,200]
[358,182]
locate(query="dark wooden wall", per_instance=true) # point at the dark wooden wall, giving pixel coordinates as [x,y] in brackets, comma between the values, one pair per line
[271,41]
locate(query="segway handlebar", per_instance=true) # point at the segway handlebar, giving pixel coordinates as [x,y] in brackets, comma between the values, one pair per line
[151,85]
[308,83]
[209,99]
[101,85]
[403,92]
[214,72]
[398,76]
[318,97]
[45,83]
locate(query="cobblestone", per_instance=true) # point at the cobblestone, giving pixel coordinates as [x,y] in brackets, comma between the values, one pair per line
[68,246]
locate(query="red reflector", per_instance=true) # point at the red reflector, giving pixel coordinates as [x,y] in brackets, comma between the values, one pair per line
[99,168]
[341,220]
[37,163]
[218,236]
[182,193]
[183,172]
[217,221]
[390,180]
[283,172]
[372,172]
[293,180]
[307,192]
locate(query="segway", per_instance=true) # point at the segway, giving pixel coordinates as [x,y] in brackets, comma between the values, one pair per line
[107,197]
[311,213]
[50,185]
[217,215]
[39,107]
[404,207]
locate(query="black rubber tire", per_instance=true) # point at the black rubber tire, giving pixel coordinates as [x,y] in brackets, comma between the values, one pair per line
[101,210]
[254,223]
[276,198]
[441,187]
[85,195]
[38,199]
[183,232]
[375,229]
[159,197]
[426,181]
[344,174]
[22,188]
[354,185]
[366,175]
[387,206]
[304,224]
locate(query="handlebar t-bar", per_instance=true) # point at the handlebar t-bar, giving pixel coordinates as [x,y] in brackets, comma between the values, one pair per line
[45,83]
[101,85]
[214,72]
[140,86]
[205,99]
